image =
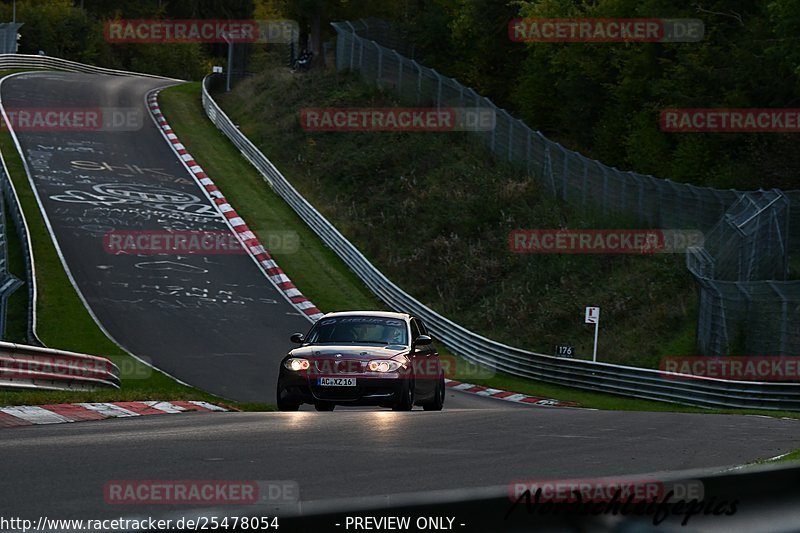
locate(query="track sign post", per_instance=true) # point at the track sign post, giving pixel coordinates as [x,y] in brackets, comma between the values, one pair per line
[593,317]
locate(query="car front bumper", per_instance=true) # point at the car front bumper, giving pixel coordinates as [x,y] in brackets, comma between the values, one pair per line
[369,390]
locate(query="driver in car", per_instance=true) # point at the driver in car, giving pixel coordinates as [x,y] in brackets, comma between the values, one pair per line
[394,335]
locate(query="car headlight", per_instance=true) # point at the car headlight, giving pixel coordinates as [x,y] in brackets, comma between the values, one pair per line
[384,366]
[296,364]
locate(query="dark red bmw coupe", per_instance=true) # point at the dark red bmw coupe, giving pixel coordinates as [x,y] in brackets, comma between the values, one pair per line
[362,358]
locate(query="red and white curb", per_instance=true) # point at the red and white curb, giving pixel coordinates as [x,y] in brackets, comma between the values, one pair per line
[237,224]
[27,415]
[507,396]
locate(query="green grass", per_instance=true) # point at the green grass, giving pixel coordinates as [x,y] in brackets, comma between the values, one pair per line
[64,323]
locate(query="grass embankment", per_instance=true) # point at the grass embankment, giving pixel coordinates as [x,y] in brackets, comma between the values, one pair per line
[64,323]
[434,210]
[318,272]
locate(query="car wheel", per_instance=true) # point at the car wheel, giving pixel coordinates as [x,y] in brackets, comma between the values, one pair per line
[319,406]
[437,402]
[406,402]
[286,406]
[283,405]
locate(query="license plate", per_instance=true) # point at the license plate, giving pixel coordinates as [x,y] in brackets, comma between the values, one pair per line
[336,382]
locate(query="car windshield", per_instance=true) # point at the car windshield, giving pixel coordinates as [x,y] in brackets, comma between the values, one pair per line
[359,330]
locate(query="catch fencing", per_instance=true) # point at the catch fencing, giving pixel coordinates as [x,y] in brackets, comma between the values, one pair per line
[744,282]
[746,306]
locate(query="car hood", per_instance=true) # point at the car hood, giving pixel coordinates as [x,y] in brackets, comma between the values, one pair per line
[324,351]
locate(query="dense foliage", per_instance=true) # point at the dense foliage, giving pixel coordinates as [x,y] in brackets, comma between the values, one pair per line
[75,30]
[602,99]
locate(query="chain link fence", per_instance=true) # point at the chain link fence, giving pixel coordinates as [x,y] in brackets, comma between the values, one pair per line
[745,303]
[569,175]
[756,318]
[749,243]
[746,306]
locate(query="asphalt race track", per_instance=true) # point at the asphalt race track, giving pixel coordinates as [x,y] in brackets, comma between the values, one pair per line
[214,321]
[361,453]
[217,323]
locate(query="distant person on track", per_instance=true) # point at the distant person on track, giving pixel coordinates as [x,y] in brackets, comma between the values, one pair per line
[303,61]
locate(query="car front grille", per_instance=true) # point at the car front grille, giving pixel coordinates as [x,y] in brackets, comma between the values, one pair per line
[349,366]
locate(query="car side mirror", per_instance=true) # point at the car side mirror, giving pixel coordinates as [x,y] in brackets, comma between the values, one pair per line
[297,338]
[422,340]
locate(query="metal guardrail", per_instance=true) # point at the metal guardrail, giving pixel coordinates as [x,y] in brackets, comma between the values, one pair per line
[568,175]
[8,282]
[33,367]
[601,377]
[15,61]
